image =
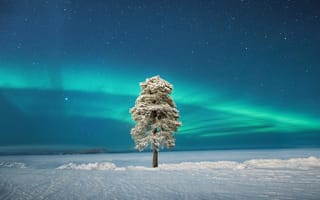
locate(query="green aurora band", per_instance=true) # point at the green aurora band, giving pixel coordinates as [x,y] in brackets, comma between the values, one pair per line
[203,114]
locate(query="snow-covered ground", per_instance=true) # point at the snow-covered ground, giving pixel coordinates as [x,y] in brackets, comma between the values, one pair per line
[241,174]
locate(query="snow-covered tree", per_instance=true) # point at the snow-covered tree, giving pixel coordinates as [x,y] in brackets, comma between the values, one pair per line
[156,116]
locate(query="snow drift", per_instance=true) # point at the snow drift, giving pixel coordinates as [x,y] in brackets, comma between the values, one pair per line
[12,165]
[293,163]
[89,166]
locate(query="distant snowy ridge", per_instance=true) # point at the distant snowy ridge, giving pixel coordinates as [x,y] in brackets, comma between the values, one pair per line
[293,163]
[12,165]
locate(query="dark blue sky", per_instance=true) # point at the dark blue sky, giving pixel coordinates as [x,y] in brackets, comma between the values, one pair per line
[246,73]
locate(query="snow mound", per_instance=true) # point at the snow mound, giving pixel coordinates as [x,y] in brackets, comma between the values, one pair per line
[293,163]
[89,166]
[141,168]
[201,165]
[12,165]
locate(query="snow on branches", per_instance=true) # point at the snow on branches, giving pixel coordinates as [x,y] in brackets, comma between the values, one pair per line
[155,115]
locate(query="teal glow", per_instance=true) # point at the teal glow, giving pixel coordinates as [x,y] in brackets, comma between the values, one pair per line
[211,113]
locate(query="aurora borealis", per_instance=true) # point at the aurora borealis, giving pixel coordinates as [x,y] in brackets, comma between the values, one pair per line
[245,73]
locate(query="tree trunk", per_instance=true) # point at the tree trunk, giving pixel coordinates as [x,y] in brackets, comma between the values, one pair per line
[155,151]
[155,156]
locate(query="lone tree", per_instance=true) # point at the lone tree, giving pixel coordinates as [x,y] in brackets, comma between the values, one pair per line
[156,117]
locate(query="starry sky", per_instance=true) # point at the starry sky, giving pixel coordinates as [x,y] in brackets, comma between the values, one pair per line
[245,72]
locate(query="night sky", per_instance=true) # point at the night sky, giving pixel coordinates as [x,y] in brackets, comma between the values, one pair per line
[246,73]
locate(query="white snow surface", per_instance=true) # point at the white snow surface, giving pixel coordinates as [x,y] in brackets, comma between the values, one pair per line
[254,174]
